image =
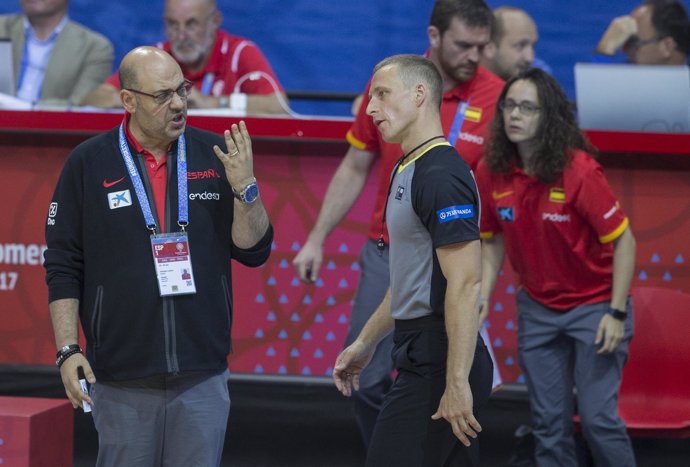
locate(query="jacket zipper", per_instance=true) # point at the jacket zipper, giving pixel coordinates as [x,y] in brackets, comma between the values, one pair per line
[228,304]
[168,303]
[96,320]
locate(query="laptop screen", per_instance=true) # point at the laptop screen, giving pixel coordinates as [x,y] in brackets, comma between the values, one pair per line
[6,67]
[641,98]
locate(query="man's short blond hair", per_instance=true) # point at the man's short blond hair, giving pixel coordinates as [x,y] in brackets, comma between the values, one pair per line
[414,69]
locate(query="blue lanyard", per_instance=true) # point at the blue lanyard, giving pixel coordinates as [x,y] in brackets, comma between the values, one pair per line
[207,83]
[457,122]
[183,215]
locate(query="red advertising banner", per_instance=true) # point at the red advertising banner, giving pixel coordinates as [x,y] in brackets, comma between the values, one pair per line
[281,326]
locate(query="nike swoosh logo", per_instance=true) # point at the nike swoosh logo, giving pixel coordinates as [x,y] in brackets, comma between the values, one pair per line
[501,195]
[107,184]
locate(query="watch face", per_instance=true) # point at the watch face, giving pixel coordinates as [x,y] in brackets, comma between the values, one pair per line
[251,192]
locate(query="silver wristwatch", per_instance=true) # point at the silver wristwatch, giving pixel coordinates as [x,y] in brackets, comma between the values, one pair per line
[249,193]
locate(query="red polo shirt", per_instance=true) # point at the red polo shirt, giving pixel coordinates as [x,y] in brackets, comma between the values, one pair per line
[157,172]
[233,58]
[481,94]
[558,236]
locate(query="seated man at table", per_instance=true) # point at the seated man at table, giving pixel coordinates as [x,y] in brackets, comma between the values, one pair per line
[56,61]
[656,33]
[227,71]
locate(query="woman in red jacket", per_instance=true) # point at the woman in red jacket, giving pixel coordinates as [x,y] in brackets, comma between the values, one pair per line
[547,205]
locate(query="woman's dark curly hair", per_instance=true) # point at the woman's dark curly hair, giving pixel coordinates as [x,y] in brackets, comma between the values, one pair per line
[556,137]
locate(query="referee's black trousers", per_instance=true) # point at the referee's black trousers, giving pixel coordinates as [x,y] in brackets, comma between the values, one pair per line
[405,435]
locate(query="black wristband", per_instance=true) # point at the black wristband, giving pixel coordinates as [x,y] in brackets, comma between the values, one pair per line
[66,352]
[618,314]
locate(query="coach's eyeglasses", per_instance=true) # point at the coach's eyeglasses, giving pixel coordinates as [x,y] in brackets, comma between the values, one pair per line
[164,97]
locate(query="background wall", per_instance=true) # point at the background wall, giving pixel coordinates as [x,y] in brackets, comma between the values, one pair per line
[288,328]
[332,46]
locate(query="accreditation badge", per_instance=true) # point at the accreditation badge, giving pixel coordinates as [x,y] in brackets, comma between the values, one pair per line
[173,263]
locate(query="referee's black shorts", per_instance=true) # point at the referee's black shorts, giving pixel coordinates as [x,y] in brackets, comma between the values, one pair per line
[405,435]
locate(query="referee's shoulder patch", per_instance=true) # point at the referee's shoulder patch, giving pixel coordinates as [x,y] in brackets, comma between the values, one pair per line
[451,213]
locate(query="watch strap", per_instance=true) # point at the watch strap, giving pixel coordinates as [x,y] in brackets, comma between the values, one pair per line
[240,194]
[617,314]
[66,352]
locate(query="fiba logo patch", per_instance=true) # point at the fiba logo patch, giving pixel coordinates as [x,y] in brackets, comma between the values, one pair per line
[399,192]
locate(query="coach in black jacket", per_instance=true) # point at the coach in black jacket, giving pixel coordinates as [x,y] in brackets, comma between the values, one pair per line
[157,332]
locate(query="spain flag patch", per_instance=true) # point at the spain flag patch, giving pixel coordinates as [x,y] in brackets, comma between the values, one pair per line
[557,195]
[473,114]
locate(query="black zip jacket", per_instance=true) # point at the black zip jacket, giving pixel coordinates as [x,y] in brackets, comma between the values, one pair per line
[103,258]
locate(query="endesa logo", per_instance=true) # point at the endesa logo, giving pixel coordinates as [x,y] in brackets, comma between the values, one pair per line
[553,217]
[205,196]
[464,211]
[470,138]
